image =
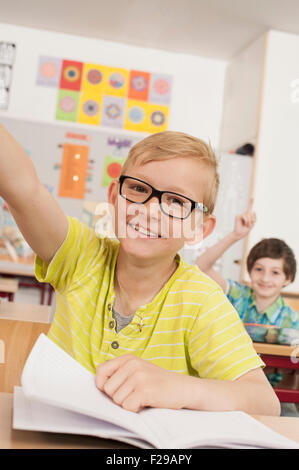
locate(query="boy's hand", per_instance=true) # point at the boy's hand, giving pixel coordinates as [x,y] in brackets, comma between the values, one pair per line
[244,222]
[135,383]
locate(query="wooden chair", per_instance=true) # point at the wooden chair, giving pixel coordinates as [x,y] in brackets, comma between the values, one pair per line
[292,301]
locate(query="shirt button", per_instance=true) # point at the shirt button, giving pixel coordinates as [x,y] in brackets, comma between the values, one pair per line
[111,324]
[109,307]
[114,345]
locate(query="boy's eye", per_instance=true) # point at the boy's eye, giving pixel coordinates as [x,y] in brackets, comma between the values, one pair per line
[138,188]
[175,200]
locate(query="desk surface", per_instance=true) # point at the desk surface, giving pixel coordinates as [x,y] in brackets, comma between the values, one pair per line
[8,285]
[24,312]
[276,349]
[24,267]
[14,439]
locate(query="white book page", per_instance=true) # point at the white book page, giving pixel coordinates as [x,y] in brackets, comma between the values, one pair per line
[32,415]
[232,429]
[53,377]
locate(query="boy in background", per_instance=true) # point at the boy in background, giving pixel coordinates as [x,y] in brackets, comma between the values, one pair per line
[271,266]
[156,327]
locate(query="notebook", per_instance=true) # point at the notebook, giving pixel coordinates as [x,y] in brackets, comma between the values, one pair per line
[59,395]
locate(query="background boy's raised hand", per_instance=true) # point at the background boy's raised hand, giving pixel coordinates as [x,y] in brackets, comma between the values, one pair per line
[245,222]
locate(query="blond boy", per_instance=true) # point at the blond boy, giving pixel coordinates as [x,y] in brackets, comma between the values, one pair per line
[152,328]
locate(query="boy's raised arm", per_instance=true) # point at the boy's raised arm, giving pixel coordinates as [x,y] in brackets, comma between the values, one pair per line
[39,217]
[243,224]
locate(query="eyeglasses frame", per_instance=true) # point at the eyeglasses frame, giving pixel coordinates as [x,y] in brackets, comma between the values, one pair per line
[158,194]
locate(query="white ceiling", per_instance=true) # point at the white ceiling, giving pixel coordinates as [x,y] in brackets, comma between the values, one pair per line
[211,28]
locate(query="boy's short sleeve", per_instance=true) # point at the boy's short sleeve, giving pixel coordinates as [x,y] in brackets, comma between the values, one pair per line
[219,346]
[235,290]
[68,258]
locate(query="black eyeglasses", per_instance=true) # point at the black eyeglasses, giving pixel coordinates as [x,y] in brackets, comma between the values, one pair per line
[172,204]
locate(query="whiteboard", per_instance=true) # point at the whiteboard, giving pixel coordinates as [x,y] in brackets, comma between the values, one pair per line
[233,198]
[44,143]
[276,176]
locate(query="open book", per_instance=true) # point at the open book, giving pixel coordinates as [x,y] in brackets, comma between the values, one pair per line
[59,395]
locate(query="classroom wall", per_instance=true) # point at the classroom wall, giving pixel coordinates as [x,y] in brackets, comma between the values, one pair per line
[242,94]
[196,105]
[276,189]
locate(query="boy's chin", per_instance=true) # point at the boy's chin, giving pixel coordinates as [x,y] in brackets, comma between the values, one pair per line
[147,248]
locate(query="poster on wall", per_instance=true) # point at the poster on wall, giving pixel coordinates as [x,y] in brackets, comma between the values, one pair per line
[76,166]
[115,97]
[7,56]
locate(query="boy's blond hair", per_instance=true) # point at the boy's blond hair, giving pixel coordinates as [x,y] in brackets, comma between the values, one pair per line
[170,144]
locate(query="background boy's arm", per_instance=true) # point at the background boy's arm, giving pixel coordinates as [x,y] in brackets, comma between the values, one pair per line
[39,217]
[243,224]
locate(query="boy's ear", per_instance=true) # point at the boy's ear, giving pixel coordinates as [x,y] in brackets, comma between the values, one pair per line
[203,230]
[113,191]
[287,282]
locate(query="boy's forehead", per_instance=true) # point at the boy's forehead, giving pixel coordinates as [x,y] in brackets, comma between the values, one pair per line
[186,176]
[272,262]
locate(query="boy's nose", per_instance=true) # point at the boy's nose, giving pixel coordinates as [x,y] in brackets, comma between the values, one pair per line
[266,277]
[153,208]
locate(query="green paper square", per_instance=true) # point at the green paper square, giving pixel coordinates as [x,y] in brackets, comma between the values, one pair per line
[108,161]
[67,105]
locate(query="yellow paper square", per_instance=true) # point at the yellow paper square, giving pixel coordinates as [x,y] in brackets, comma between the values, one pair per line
[93,78]
[136,116]
[90,109]
[156,118]
[117,82]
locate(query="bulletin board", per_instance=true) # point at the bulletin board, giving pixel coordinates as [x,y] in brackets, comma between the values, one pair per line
[102,95]
[76,165]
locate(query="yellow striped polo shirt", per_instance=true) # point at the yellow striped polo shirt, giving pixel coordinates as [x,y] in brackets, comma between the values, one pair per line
[190,327]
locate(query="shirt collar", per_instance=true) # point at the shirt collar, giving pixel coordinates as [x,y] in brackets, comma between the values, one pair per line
[272,311]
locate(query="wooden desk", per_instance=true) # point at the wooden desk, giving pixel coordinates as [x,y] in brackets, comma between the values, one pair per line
[276,349]
[8,287]
[15,439]
[17,268]
[25,312]
[25,268]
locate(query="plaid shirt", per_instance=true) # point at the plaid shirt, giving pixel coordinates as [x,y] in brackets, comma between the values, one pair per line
[278,314]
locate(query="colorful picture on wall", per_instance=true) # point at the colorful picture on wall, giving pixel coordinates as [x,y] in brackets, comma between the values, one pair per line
[71,75]
[48,73]
[73,171]
[67,105]
[113,111]
[90,109]
[117,82]
[115,97]
[139,85]
[112,169]
[160,88]
[94,78]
